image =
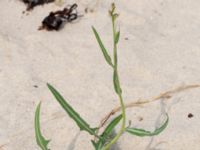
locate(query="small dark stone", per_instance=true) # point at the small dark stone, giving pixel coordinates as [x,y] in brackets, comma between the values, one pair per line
[140,118]
[126,38]
[35,86]
[190,115]
[88,10]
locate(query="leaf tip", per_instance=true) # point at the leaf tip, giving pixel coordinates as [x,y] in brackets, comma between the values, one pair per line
[48,84]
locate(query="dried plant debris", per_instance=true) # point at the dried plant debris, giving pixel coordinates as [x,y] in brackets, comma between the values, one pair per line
[55,20]
[32,3]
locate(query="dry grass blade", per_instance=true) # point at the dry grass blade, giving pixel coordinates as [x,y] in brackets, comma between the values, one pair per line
[139,103]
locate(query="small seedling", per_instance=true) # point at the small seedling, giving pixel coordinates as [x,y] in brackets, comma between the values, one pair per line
[104,140]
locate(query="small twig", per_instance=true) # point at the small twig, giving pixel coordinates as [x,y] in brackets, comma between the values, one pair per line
[139,103]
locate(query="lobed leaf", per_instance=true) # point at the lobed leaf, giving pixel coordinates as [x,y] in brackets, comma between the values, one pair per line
[142,132]
[41,141]
[83,125]
[103,49]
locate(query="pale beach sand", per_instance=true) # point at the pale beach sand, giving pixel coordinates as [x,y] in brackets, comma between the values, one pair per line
[159,50]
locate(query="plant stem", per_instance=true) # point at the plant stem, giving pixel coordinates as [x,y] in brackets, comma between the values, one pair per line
[114,140]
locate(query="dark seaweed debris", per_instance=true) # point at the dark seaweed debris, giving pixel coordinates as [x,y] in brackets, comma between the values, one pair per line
[32,3]
[55,20]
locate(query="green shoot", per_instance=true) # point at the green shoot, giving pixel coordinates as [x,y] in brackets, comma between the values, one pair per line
[116,82]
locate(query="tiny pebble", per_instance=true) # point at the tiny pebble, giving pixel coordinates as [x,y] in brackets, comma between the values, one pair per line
[35,86]
[190,115]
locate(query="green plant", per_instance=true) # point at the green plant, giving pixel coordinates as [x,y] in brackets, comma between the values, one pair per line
[104,140]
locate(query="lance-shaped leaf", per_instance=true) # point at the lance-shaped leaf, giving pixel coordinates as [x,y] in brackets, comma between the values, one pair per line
[41,141]
[111,126]
[103,49]
[142,132]
[83,125]
[116,82]
[107,132]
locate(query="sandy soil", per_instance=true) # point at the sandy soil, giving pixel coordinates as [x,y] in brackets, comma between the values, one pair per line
[159,50]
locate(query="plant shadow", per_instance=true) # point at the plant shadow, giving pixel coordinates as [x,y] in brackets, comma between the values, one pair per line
[73,142]
[164,109]
[116,145]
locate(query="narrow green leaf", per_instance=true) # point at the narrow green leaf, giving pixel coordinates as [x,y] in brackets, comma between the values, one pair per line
[142,132]
[103,49]
[41,141]
[83,125]
[116,82]
[117,37]
[107,132]
[111,126]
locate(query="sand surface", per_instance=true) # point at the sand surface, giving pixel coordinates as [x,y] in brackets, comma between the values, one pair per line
[159,50]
